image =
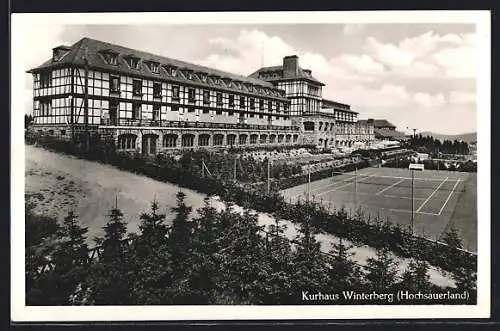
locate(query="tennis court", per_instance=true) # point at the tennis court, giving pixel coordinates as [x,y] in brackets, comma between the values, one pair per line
[387,193]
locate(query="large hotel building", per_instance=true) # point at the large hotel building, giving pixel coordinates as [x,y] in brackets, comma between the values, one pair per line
[151,103]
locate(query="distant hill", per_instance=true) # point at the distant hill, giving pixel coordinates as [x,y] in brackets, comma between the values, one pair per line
[468,137]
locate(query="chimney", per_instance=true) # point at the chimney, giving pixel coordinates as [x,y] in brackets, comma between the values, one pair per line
[370,121]
[290,66]
[308,72]
[59,51]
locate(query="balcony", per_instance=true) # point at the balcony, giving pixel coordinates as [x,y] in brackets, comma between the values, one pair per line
[200,125]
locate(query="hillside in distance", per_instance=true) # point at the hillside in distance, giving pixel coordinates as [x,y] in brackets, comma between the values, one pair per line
[467,137]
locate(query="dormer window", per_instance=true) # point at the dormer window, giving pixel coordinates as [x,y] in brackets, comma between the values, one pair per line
[132,61]
[189,74]
[111,57]
[154,67]
[59,52]
[173,71]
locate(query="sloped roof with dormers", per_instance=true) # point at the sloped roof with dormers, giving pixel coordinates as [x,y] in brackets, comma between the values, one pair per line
[95,48]
[381,123]
[275,73]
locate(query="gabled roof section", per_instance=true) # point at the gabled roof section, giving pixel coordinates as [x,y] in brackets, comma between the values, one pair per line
[335,104]
[380,123]
[389,134]
[96,60]
[275,73]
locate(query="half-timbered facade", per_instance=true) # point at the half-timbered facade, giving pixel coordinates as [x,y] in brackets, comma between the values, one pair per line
[150,103]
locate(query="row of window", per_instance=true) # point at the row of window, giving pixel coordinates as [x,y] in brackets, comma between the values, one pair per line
[137,90]
[111,57]
[128,141]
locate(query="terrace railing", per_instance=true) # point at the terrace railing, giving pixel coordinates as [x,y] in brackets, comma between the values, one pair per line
[201,125]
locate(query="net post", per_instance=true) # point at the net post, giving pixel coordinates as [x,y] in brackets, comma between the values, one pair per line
[412,200]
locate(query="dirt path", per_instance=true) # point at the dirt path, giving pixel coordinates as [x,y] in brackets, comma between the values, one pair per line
[67,183]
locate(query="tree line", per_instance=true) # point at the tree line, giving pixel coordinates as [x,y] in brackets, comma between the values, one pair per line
[216,258]
[427,144]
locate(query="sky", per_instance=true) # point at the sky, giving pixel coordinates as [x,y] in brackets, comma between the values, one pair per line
[416,75]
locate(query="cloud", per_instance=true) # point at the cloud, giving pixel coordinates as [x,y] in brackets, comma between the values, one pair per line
[389,54]
[429,54]
[363,63]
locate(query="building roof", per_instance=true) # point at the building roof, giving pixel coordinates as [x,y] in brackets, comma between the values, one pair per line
[325,103]
[388,133]
[380,123]
[275,73]
[93,47]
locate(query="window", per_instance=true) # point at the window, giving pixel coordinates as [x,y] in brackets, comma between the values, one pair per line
[111,58]
[156,90]
[203,139]
[45,108]
[156,112]
[218,139]
[175,108]
[190,109]
[218,112]
[205,111]
[191,95]
[252,115]
[253,139]
[137,87]
[133,62]
[187,140]
[206,97]
[243,139]
[175,92]
[242,102]
[231,100]
[114,84]
[154,67]
[231,139]
[269,106]
[45,79]
[261,104]
[136,111]
[170,140]
[126,141]
[261,116]
[278,107]
[219,98]
[230,113]
[252,103]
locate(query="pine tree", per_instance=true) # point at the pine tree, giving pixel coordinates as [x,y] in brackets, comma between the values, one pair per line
[279,284]
[309,263]
[344,273]
[243,258]
[70,258]
[153,281]
[416,277]
[381,271]
[111,276]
